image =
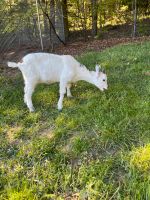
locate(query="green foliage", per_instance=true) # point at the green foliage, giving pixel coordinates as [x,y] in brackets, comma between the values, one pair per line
[21,15]
[97,147]
[16,16]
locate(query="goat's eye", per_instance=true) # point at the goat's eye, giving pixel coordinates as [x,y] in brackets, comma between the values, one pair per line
[103,79]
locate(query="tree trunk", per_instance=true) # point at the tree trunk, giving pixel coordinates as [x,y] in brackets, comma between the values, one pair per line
[65,18]
[39,26]
[54,24]
[59,22]
[52,18]
[52,11]
[94,17]
[135,17]
[100,20]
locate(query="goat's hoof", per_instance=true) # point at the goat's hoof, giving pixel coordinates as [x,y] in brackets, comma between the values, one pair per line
[70,96]
[32,110]
[59,107]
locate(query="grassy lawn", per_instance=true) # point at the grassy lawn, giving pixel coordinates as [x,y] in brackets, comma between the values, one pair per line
[97,148]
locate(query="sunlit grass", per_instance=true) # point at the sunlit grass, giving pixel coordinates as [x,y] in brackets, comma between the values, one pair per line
[96,148]
[140,158]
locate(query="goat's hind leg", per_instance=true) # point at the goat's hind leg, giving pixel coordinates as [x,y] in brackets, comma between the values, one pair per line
[28,90]
[68,90]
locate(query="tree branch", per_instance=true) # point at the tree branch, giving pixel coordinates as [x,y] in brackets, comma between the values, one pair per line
[50,22]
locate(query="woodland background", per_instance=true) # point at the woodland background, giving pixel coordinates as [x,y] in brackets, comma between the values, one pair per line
[43,24]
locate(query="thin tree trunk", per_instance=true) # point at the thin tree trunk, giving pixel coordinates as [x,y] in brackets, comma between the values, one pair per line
[65,18]
[94,17]
[52,18]
[135,17]
[46,25]
[84,22]
[52,12]
[82,16]
[59,22]
[100,16]
[45,21]
[40,32]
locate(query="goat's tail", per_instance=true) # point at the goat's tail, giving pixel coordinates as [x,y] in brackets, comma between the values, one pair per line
[12,64]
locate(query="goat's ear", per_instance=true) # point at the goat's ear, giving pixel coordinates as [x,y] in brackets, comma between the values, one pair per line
[104,71]
[97,69]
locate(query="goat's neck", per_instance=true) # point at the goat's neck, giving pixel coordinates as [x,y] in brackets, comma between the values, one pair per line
[83,74]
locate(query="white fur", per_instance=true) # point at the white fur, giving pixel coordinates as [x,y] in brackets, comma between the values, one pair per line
[49,68]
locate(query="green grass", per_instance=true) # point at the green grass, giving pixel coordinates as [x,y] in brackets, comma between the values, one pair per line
[97,148]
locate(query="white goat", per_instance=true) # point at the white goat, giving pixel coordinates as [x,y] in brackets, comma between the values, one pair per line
[49,68]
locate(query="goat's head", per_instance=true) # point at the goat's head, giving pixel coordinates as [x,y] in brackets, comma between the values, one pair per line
[100,79]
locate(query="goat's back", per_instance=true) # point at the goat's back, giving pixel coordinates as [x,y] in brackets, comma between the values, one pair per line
[47,67]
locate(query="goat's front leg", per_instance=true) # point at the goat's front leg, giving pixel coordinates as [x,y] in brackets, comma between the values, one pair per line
[62,91]
[68,90]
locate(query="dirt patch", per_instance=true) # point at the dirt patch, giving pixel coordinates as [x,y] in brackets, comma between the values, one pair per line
[48,133]
[12,133]
[79,48]
[75,48]
[147,73]
[8,72]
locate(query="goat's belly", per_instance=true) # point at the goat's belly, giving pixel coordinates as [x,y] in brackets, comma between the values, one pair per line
[49,80]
